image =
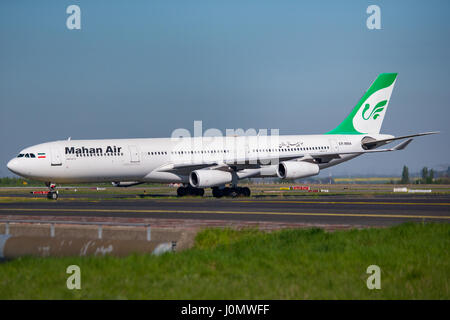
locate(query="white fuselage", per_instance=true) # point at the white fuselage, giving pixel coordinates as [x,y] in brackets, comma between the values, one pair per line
[142,160]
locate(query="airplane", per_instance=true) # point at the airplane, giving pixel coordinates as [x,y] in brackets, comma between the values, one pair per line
[218,163]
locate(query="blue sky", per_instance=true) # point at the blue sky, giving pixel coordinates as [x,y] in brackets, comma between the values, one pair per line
[145,68]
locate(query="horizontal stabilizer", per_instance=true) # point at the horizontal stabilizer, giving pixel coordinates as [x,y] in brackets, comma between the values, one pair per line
[398,147]
[376,143]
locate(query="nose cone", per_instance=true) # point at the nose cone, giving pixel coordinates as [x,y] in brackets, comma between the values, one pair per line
[13,166]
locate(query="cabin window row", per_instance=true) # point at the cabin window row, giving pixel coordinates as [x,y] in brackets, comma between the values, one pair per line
[188,152]
[157,153]
[292,149]
[99,154]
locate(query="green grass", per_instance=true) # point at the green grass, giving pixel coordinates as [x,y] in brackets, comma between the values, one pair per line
[250,264]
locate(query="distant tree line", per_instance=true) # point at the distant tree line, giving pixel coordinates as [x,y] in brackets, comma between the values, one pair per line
[17,182]
[427,177]
[405,176]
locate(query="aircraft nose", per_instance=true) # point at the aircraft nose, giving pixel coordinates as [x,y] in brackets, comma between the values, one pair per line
[13,165]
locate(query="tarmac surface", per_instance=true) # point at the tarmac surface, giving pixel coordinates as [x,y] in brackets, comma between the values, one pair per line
[324,210]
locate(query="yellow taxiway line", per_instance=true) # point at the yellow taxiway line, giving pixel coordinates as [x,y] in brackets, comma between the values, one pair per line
[367,215]
[349,202]
[319,202]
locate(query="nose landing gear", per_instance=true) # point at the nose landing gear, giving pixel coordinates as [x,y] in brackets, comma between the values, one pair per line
[52,193]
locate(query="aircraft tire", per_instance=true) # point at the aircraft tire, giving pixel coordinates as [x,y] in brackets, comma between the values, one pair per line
[217,193]
[234,192]
[181,191]
[226,191]
[52,195]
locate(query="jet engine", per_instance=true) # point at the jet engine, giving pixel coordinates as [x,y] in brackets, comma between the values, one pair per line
[209,178]
[296,169]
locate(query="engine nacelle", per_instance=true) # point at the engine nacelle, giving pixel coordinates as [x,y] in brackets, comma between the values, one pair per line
[296,169]
[209,178]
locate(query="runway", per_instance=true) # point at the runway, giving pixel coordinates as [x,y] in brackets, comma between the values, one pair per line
[333,210]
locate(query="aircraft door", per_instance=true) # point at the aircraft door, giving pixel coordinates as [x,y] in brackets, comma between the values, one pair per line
[134,154]
[334,145]
[56,159]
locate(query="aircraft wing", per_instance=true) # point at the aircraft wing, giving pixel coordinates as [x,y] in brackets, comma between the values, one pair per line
[226,165]
[253,163]
[186,168]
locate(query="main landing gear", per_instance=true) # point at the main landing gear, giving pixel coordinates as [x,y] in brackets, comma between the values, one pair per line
[231,192]
[52,193]
[190,191]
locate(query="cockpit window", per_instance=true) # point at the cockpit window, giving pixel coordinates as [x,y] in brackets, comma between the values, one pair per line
[26,155]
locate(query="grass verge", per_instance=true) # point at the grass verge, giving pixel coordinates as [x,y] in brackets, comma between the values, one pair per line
[251,264]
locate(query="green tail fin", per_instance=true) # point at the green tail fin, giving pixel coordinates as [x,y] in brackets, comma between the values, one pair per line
[367,116]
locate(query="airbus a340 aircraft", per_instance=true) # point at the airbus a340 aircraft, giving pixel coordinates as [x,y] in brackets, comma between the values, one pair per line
[200,162]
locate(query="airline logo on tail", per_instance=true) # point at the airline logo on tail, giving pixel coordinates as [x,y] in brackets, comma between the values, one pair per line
[375,112]
[368,115]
